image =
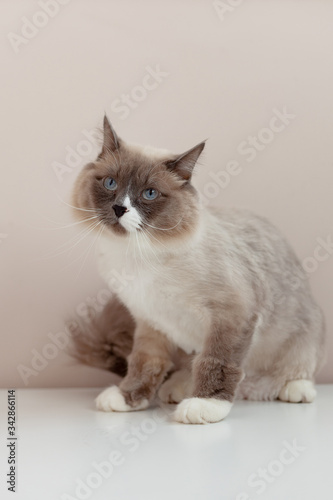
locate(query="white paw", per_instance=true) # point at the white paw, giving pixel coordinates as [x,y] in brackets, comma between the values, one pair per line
[112,400]
[298,391]
[202,410]
[176,388]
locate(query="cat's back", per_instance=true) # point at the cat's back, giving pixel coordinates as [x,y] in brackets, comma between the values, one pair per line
[244,223]
[243,232]
[254,248]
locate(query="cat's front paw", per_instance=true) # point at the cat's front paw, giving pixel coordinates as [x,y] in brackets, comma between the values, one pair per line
[112,399]
[202,410]
[176,388]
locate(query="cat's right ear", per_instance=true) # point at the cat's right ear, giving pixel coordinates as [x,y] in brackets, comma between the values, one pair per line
[111,141]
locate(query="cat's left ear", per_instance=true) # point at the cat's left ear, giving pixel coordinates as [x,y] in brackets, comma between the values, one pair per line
[184,164]
[111,141]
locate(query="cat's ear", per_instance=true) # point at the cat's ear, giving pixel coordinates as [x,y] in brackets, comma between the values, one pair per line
[184,164]
[111,141]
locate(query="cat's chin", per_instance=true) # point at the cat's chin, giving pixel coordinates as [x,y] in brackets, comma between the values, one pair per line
[117,229]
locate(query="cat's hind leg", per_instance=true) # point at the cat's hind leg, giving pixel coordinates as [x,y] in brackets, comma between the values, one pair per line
[302,360]
[268,387]
[298,391]
[286,371]
[177,387]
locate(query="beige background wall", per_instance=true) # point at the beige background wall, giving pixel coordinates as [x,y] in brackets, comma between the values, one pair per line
[222,73]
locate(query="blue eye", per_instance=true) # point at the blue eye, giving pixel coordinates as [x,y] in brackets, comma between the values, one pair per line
[150,194]
[110,184]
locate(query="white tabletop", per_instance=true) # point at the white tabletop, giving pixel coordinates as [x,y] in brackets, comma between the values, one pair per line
[274,450]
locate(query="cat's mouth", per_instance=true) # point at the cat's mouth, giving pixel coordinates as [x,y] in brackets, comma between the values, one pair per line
[119,227]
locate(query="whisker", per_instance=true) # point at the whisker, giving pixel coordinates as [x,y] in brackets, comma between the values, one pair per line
[66,226]
[83,234]
[162,229]
[149,263]
[156,239]
[101,229]
[85,250]
[77,208]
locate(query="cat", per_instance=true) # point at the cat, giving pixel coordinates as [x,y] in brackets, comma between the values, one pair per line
[221,285]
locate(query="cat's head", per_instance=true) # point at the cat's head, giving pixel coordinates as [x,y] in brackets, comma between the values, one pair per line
[132,189]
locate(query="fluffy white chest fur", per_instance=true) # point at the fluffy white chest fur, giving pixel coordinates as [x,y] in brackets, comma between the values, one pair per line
[153,292]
